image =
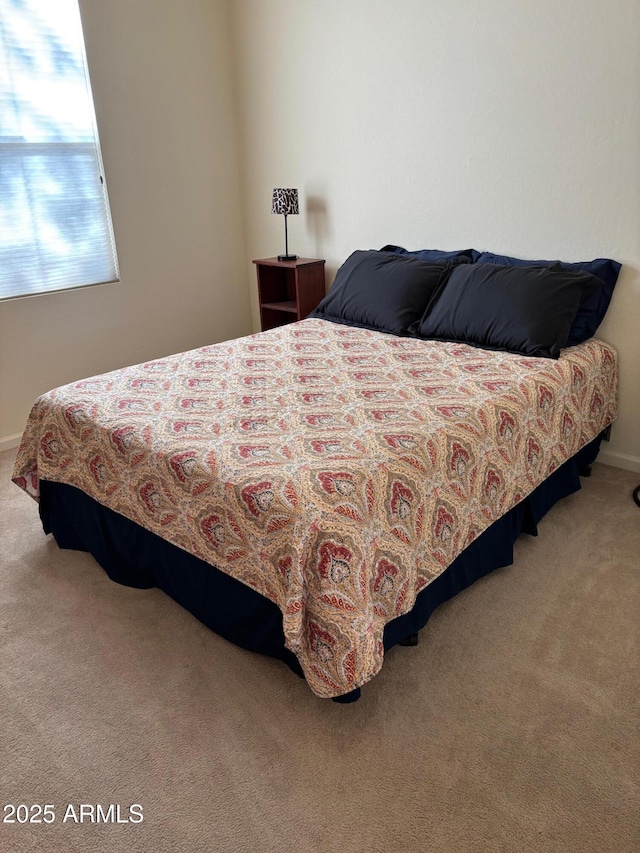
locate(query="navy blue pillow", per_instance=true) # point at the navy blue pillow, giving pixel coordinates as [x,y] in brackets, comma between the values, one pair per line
[460,256]
[593,308]
[527,310]
[381,291]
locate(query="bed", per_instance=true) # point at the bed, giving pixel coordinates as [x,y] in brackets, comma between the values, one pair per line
[313,492]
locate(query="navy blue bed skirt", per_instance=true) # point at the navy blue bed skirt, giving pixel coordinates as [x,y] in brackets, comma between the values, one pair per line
[136,557]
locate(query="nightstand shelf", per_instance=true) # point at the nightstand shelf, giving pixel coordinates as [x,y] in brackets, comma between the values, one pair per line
[288,290]
[281,306]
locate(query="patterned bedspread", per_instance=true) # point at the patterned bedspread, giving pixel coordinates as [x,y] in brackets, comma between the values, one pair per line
[337,471]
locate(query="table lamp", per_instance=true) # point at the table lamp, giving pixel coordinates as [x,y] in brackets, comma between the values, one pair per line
[285,201]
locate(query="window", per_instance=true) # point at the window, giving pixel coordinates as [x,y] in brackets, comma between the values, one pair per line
[55,224]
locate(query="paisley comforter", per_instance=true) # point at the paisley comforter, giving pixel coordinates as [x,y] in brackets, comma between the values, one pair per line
[337,471]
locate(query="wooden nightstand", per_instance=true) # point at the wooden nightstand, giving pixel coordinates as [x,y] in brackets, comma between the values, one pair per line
[288,290]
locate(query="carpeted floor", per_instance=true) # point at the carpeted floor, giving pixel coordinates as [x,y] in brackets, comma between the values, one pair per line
[513,726]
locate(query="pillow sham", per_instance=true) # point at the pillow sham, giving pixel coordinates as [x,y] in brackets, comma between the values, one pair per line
[593,308]
[459,256]
[381,291]
[526,310]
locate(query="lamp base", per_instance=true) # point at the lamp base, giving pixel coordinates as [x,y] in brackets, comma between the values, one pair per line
[287,257]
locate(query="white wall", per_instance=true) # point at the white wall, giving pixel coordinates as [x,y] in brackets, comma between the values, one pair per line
[161,80]
[513,127]
[506,126]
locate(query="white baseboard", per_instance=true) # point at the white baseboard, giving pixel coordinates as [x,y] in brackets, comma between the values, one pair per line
[9,442]
[619,460]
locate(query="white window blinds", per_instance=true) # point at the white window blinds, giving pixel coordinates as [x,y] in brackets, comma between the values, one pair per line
[55,224]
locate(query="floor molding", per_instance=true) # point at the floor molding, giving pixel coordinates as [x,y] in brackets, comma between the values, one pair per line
[619,460]
[9,442]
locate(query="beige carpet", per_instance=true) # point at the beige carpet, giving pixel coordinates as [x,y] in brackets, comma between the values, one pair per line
[512,727]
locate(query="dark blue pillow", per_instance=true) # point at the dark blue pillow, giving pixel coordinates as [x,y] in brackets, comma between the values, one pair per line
[593,308]
[381,291]
[461,256]
[527,310]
